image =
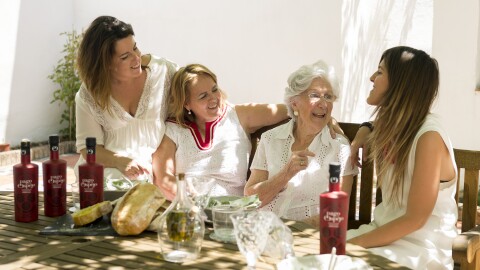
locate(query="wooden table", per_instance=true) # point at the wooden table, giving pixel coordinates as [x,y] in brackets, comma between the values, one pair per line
[21,247]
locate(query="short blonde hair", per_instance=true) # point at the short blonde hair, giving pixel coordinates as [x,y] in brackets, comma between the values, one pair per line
[179,91]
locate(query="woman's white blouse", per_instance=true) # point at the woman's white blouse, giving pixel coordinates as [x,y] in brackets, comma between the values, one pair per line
[300,199]
[222,155]
[137,136]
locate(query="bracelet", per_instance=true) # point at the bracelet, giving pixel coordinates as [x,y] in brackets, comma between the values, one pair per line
[367,124]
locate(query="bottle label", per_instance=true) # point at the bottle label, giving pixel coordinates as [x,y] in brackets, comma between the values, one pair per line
[56,181]
[26,197]
[26,186]
[55,198]
[333,219]
[333,222]
[88,185]
[25,205]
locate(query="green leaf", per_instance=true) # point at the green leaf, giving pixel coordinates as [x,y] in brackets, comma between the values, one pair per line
[66,76]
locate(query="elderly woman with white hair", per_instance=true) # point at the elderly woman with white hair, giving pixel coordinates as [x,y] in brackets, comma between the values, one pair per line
[290,167]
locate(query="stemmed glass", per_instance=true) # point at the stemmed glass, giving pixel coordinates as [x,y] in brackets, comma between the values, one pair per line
[251,231]
[199,189]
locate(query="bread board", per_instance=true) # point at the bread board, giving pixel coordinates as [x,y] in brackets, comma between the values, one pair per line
[64,226]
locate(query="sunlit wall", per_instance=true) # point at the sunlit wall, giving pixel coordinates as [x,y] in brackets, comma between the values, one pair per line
[369,28]
[9,13]
[252,46]
[34,45]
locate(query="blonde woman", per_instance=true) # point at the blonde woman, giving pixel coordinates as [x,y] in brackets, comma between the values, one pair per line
[206,135]
[415,223]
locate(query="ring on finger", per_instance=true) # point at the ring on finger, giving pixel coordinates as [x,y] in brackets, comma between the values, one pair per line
[302,163]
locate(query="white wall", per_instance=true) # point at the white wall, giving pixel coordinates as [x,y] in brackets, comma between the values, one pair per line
[35,44]
[455,47]
[251,45]
[369,27]
[9,11]
[254,45]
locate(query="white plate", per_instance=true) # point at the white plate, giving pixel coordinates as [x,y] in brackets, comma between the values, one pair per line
[311,262]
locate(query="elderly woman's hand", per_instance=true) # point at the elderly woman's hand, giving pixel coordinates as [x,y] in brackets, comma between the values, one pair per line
[298,161]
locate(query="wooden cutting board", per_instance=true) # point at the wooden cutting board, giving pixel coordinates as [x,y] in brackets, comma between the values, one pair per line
[64,226]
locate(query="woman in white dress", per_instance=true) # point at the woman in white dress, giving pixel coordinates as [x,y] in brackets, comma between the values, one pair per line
[290,168]
[122,99]
[415,223]
[206,135]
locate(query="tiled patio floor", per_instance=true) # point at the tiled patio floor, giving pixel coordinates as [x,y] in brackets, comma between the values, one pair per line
[6,173]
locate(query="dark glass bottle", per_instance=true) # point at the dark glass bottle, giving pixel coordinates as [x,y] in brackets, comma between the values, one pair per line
[333,214]
[55,181]
[25,180]
[90,177]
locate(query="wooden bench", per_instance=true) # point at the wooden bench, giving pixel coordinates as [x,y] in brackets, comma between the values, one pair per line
[466,247]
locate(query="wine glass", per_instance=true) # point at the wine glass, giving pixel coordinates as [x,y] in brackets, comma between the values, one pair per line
[251,231]
[199,189]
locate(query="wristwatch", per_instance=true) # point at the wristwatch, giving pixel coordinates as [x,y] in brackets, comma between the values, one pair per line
[367,124]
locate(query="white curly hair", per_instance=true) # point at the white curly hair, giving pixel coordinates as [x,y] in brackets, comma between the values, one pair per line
[301,79]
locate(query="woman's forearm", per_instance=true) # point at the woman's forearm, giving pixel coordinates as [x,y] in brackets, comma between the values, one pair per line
[163,165]
[167,184]
[388,233]
[107,158]
[268,189]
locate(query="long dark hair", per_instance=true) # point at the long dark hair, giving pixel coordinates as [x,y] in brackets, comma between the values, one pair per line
[95,56]
[413,80]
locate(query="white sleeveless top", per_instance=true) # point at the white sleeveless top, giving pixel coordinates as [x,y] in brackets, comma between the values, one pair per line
[223,155]
[300,199]
[431,246]
[136,137]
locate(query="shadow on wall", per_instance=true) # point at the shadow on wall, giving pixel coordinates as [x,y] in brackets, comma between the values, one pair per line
[367,30]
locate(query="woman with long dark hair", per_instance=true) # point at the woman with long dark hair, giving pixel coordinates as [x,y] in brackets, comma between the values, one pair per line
[415,223]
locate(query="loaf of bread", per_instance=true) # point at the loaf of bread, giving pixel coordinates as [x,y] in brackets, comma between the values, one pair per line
[135,210]
[91,213]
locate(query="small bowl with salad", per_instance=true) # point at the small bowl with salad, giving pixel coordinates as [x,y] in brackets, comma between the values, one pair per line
[248,203]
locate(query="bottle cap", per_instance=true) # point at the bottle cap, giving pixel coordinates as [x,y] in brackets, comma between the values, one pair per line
[334,169]
[53,140]
[25,144]
[91,141]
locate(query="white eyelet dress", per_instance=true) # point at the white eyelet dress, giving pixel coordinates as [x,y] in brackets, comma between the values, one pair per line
[300,199]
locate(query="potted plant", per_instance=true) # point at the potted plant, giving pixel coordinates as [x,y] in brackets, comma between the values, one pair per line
[66,76]
[4,147]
